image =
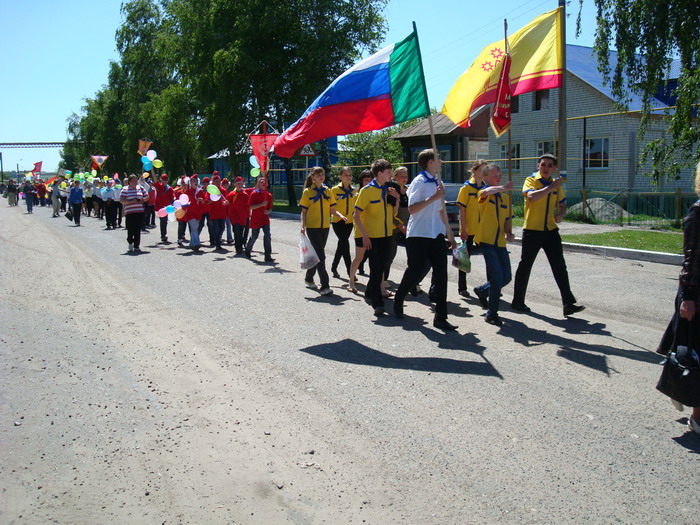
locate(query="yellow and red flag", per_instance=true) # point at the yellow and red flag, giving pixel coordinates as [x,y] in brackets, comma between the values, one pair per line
[536,63]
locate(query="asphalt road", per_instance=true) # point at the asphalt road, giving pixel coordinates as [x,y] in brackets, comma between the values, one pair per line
[188,388]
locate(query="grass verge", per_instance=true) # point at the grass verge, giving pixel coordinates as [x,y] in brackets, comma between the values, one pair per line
[667,242]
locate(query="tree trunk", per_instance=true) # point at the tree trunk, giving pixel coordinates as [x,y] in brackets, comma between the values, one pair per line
[291,192]
[326,159]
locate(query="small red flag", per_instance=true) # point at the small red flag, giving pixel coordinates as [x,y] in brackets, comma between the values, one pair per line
[37,166]
[500,118]
[261,148]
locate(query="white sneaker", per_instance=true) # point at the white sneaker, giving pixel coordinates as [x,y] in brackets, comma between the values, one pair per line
[693,425]
[131,246]
[310,284]
[326,291]
[679,406]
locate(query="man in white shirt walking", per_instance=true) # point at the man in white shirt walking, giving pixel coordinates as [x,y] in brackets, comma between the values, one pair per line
[425,237]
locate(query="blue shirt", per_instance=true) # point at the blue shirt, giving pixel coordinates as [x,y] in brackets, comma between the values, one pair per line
[76,195]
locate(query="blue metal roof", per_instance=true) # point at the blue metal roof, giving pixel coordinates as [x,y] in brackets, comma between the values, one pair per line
[581,61]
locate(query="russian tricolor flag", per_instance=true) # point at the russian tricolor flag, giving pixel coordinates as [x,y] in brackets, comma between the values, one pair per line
[384,89]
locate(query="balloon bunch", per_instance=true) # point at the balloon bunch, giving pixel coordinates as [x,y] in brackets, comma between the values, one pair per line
[176,210]
[150,161]
[255,172]
[214,192]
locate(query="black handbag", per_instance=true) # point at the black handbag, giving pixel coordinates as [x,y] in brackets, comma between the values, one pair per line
[69,215]
[680,378]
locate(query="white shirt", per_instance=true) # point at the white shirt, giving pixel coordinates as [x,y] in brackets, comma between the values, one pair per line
[426,222]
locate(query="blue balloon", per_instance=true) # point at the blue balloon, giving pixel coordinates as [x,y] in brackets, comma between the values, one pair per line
[254,162]
[148,165]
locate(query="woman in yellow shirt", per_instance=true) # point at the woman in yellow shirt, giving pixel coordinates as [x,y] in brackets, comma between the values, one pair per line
[344,194]
[317,204]
[360,252]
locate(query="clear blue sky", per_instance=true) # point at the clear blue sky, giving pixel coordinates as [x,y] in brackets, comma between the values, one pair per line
[56,53]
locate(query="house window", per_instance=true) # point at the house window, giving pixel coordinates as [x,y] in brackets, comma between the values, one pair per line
[515,104]
[514,153]
[541,100]
[596,153]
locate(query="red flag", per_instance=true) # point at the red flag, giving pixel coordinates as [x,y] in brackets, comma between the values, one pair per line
[500,118]
[95,165]
[37,166]
[261,148]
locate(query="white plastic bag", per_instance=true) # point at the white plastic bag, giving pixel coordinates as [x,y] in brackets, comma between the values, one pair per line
[307,254]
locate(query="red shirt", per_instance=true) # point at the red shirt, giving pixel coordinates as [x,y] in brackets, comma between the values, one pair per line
[164,195]
[238,208]
[258,218]
[41,189]
[194,208]
[218,209]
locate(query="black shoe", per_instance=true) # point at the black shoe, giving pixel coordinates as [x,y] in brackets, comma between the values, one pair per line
[361,271]
[494,320]
[464,293]
[521,307]
[483,298]
[571,309]
[416,291]
[269,259]
[196,247]
[398,309]
[442,324]
[335,273]
[379,311]
[163,238]
[432,298]
[248,254]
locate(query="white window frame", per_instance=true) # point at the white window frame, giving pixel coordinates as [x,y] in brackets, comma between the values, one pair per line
[515,153]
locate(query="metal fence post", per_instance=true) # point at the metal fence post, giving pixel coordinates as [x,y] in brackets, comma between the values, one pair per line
[584,201]
[679,204]
[623,205]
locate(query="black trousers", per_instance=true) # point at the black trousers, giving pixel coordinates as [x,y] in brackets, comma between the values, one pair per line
[342,231]
[111,213]
[318,238]
[550,242]
[422,250]
[377,263]
[76,212]
[462,276]
[181,229]
[391,253]
[238,237]
[163,226]
[134,222]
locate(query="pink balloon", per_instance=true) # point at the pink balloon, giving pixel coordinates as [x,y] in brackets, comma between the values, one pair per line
[151,155]
[177,204]
[116,176]
[162,212]
[184,199]
[215,197]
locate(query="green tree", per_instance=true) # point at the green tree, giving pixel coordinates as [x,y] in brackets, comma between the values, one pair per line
[363,148]
[647,35]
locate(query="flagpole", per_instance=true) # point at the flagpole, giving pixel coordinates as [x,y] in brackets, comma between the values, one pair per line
[425,92]
[562,91]
[510,126]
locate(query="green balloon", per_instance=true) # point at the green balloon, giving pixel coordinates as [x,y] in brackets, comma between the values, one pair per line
[213,190]
[255,172]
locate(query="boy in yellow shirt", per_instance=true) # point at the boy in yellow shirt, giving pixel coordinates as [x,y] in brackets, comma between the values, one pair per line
[492,232]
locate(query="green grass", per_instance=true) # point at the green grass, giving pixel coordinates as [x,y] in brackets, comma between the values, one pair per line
[279,206]
[635,239]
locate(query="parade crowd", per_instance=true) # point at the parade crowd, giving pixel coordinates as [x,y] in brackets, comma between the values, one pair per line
[383,212]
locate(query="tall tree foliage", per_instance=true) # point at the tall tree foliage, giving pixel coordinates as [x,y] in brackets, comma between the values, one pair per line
[647,35]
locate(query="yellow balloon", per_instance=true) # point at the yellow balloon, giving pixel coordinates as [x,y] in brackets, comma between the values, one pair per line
[105,178]
[157,163]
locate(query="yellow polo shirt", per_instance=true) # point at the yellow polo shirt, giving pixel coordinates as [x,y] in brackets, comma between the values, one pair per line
[345,201]
[467,198]
[492,219]
[318,203]
[539,215]
[376,214]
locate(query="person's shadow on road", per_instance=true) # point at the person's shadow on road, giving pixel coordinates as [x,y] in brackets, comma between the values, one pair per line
[352,352]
